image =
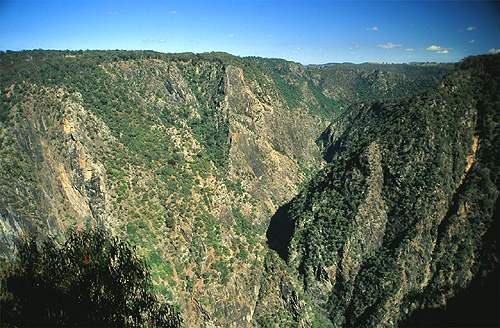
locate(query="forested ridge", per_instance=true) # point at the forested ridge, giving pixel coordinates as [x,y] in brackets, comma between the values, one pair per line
[403,216]
[359,175]
[333,87]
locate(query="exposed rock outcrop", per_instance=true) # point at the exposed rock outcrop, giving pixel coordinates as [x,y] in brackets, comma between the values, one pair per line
[402,216]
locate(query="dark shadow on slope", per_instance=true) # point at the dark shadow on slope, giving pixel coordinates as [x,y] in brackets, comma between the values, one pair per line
[477,306]
[331,148]
[357,122]
[479,303]
[280,231]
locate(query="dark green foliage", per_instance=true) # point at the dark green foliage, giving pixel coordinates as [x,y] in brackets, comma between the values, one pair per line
[211,127]
[429,158]
[155,257]
[379,277]
[4,107]
[422,151]
[284,79]
[90,280]
[244,225]
[358,82]
[412,70]
[326,106]
[122,110]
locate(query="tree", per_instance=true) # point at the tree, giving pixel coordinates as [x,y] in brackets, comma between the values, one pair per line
[92,279]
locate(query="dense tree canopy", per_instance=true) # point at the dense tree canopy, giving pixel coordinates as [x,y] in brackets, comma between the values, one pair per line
[92,279]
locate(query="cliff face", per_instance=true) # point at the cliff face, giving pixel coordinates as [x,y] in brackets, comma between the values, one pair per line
[185,156]
[399,219]
[272,146]
[327,89]
[49,172]
[188,156]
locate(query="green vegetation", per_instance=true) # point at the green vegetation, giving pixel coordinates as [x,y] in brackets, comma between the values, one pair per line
[402,175]
[336,86]
[94,73]
[437,147]
[90,280]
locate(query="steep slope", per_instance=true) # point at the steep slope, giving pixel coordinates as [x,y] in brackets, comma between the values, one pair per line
[328,89]
[402,216]
[185,156]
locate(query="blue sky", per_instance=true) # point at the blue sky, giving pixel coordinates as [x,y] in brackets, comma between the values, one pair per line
[309,32]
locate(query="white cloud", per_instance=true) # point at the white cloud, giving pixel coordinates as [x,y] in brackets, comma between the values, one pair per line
[231,35]
[409,49]
[434,48]
[173,12]
[356,45]
[388,45]
[161,40]
[472,41]
[471,28]
[148,40]
[298,48]
[494,51]
[437,49]
[375,28]
[270,35]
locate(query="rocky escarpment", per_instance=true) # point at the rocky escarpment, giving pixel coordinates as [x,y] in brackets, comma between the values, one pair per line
[272,146]
[187,157]
[184,156]
[327,89]
[49,172]
[402,217]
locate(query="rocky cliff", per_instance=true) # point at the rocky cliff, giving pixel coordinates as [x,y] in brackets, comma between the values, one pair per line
[331,88]
[187,157]
[403,216]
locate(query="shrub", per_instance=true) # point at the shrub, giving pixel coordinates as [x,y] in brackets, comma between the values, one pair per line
[92,279]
